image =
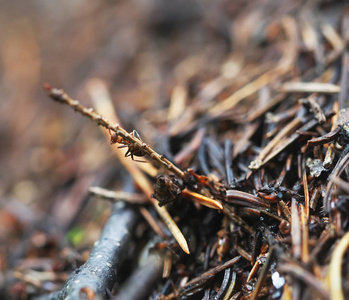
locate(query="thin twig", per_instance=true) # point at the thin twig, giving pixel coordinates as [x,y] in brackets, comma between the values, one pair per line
[60,96]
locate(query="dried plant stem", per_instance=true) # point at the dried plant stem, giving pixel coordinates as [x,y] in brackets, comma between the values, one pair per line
[60,96]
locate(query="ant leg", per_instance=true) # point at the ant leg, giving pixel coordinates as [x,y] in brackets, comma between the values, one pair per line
[142,161]
[131,154]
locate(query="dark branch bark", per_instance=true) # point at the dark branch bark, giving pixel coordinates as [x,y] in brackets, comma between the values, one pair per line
[100,272]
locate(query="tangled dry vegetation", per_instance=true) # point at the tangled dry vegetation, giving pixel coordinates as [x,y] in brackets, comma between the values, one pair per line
[240,178]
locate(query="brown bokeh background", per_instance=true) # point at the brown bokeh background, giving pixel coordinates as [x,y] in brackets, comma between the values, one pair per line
[49,156]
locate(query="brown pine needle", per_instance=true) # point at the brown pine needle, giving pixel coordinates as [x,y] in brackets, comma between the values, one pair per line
[245,199]
[206,276]
[118,195]
[335,272]
[305,235]
[203,200]
[305,276]
[306,192]
[246,91]
[310,87]
[290,127]
[296,231]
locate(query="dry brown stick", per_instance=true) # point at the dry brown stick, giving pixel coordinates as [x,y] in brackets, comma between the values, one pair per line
[60,96]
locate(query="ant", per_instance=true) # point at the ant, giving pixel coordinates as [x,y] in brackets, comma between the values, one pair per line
[133,150]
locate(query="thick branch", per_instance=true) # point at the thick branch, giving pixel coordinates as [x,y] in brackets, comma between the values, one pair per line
[99,273]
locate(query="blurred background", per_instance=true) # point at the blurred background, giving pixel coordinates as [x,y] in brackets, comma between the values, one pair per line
[143,50]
